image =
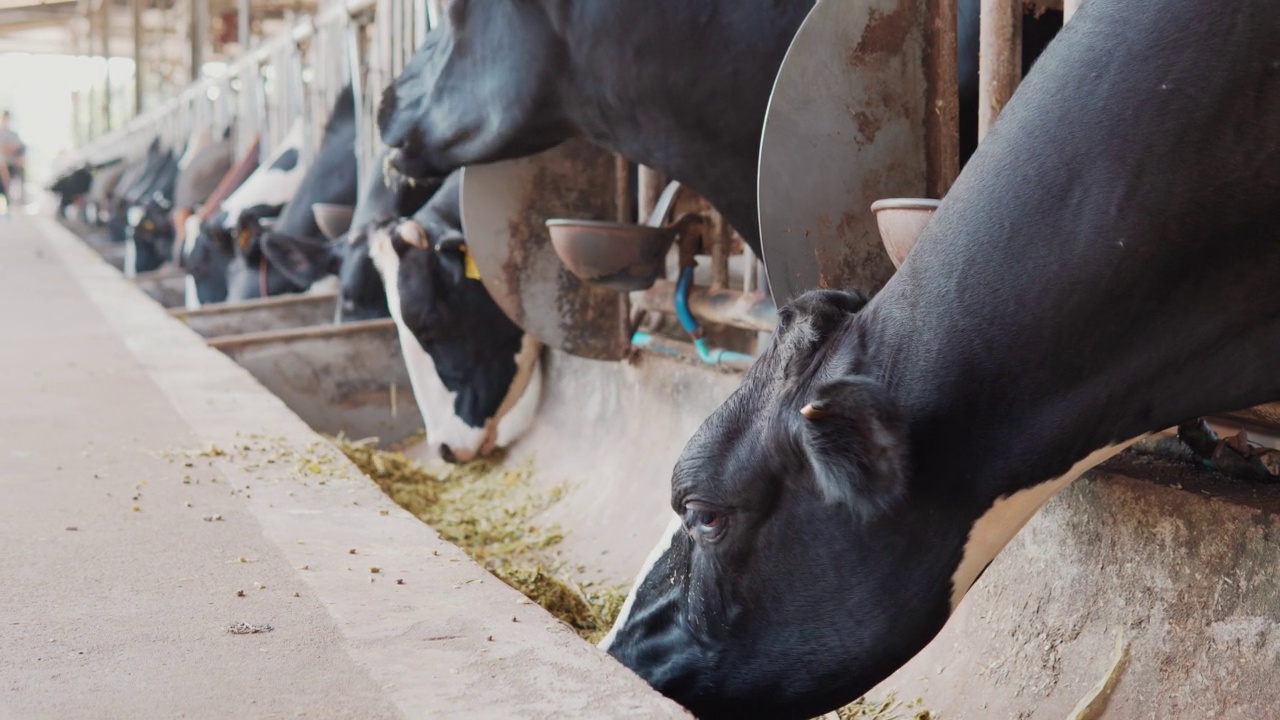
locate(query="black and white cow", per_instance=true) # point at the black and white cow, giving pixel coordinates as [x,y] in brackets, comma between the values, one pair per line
[476,375]
[1103,268]
[385,197]
[148,229]
[131,188]
[199,174]
[210,248]
[71,187]
[206,243]
[331,180]
[678,85]
[98,202]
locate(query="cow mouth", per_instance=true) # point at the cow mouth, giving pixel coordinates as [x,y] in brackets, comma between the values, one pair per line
[407,164]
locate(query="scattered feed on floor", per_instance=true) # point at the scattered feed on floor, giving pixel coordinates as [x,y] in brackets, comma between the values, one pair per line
[242,628]
[491,513]
[890,708]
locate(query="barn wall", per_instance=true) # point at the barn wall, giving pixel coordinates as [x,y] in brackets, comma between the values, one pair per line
[1180,559]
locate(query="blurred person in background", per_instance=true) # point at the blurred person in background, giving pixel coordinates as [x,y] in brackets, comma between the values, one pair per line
[12,153]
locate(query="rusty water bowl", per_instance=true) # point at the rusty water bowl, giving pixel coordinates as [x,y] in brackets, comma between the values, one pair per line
[333,220]
[614,256]
[901,220]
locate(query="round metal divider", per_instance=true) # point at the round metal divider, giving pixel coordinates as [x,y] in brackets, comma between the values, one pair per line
[845,127]
[505,206]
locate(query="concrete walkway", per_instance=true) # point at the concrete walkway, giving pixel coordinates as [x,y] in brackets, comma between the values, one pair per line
[152,495]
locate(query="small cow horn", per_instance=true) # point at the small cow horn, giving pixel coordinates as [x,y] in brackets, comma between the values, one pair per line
[413,234]
[816,410]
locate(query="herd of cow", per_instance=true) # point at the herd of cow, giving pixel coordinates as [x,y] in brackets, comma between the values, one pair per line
[241,230]
[1104,267]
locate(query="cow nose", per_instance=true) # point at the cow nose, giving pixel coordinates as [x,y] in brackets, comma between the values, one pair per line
[457,457]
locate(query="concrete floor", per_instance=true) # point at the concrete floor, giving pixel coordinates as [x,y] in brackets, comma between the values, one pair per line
[118,592]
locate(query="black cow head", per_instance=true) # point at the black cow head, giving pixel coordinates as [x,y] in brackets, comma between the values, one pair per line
[363,295]
[475,374]
[302,261]
[790,582]
[459,101]
[149,232]
[251,274]
[208,251]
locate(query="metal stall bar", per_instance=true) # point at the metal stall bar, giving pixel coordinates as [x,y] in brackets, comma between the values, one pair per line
[355,54]
[942,126]
[435,12]
[1000,52]
[110,143]
[999,58]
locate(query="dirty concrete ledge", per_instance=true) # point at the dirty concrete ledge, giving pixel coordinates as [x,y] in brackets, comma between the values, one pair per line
[452,641]
[1184,561]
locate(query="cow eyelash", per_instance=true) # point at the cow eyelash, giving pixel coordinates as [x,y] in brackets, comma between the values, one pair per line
[703,521]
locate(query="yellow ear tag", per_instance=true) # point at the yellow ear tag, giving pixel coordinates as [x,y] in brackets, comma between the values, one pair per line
[244,239]
[472,271]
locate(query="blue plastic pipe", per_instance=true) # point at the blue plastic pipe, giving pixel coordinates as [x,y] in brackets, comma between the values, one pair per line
[707,354]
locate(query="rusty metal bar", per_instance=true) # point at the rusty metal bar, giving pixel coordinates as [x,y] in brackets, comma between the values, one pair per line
[750,274]
[942,114]
[718,307]
[138,85]
[719,252]
[104,21]
[622,189]
[652,183]
[999,59]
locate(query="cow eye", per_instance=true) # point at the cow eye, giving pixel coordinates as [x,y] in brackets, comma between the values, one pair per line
[702,521]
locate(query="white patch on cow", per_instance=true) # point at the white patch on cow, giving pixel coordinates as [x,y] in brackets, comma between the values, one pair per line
[130,258]
[266,186]
[192,231]
[520,417]
[435,401]
[993,531]
[664,544]
[326,284]
[190,295]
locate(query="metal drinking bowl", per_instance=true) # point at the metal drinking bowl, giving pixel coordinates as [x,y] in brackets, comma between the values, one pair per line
[901,220]
[616,256]
[333,220]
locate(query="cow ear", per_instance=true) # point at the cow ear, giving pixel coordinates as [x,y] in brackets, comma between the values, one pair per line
[451,241]
[856,439]
[300,260]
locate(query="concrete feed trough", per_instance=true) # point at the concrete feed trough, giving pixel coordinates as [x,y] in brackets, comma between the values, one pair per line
[348,378]
[262,315]
[166,285]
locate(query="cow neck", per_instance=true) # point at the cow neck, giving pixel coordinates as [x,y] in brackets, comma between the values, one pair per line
[1078,289]
[684,132]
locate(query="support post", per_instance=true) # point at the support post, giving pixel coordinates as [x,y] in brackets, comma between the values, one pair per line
[999,59]
[652,183]
[199,36]
[242,26]
[138,83]
[942,114]
[622,188]
[104,26]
